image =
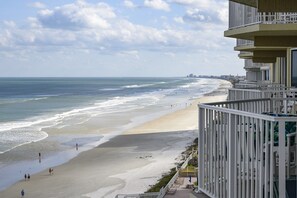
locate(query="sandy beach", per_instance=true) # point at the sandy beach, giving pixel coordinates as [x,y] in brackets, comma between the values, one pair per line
[127,163]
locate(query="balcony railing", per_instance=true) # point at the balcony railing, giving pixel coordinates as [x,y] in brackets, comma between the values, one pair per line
[244,149]
[259,86]
[241,15]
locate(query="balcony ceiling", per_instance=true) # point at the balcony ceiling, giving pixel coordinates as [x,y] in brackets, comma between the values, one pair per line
[272,41]
[269,54]
[277,5]
[264,60]
[252,3]
[251,31]
[271,5]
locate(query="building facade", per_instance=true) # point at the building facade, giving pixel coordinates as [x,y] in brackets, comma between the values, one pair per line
[247,145]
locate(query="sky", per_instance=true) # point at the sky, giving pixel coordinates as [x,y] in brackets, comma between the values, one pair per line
[116,38]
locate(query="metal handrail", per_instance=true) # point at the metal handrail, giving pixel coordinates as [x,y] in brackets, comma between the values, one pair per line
[214,106]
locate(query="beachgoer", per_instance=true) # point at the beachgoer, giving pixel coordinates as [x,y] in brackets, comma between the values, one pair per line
[29,176]
[50,171]
[39,157]
[76,145]
[22,193]
[25,177]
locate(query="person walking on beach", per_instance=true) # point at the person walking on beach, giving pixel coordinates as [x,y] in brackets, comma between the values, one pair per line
[76,146]
[51,171]
[25,176]
[39,157]
[29,176]
[22,193]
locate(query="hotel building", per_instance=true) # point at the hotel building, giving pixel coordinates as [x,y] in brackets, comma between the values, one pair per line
[247,145]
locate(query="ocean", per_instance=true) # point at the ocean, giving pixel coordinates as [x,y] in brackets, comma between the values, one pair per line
[87,111]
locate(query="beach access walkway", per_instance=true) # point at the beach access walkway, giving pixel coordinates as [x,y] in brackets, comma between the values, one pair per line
[182,188]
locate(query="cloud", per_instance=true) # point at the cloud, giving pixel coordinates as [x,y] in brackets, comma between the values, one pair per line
[204,14]
[129,4]
[9,24]
[157,4]
[179,20]
[76,16]
[37,5]
[196,16]
[97,27]
[132,53]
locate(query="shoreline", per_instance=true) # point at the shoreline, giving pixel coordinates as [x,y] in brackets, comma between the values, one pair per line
[182,122]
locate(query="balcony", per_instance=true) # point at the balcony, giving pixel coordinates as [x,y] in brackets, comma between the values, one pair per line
[250,65]
[242,43]
[246,91]
[242,15]
[246,22]
[247,148]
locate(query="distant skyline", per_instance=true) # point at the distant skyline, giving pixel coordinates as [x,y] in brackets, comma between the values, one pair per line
[116,38]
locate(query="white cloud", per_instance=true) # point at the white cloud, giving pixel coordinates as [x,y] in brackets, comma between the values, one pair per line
[196,3]
[170,54]
[76,16]
[10,24]
[179,20]
[129,4]
[204,14]
[157,4]
[37,5]
[196,15]
[97,27]
[131,53]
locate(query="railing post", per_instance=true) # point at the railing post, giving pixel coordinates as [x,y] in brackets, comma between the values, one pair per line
[282,159]
[201,127]
[231,157]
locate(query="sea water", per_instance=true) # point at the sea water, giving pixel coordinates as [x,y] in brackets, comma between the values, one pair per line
[30,107]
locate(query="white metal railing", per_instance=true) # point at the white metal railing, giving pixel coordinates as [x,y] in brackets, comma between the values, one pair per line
[260,86]
[241,15]
[243,152]
[163,190]
[285,96]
